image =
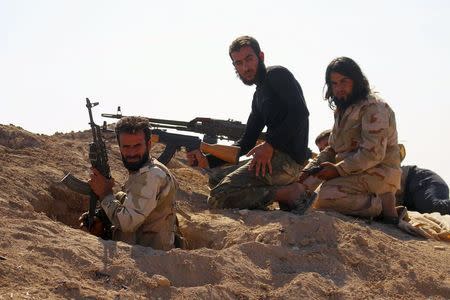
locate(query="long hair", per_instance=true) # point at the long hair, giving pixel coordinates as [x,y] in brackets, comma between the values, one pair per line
[349,68]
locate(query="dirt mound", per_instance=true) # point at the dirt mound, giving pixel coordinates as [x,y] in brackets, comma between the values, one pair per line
[231,254]
[17,138]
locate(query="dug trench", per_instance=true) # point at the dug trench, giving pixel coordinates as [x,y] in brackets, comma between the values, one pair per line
[61,204]
[33,165]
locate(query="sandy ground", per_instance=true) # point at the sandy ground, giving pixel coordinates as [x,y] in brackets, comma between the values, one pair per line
[231,254]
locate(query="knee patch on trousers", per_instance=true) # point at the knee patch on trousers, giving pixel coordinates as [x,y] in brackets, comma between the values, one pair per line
[355,205]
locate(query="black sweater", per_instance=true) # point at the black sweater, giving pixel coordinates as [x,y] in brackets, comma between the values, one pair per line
[278,103]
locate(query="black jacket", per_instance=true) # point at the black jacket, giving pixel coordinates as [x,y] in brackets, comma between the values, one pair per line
[278,103]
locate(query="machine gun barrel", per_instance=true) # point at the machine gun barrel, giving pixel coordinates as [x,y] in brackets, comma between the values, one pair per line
[151,120]
[212,129]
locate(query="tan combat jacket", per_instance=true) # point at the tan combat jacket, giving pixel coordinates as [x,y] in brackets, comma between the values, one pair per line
[364,139]
[144,212]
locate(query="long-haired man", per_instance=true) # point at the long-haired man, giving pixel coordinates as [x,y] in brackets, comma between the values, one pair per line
[361,165]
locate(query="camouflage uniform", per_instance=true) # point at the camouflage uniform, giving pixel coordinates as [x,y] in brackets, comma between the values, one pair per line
[215,175]
[363,144]
[242,189]
[144,212]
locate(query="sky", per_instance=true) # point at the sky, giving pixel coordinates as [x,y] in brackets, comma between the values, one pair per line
[169,60]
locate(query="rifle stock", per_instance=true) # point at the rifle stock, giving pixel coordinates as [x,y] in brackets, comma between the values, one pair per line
[229,154]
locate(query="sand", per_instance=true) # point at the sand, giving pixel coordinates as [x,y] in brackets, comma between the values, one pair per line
[230,254]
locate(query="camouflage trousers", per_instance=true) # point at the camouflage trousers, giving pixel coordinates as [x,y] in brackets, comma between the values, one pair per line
[356,195]
[243,189]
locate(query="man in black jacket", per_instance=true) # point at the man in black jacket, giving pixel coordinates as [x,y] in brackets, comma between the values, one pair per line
[272,173]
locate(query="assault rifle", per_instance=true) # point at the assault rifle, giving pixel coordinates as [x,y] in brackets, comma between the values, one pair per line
[99,160]
[175,141]
[212,129]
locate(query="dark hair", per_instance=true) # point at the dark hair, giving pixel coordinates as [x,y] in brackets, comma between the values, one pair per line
[244,41]
[133,125]
[322,135]
[349,68]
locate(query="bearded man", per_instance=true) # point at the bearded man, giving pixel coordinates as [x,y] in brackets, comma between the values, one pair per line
[144,212]
[361,165]
[421,190]
[272,174]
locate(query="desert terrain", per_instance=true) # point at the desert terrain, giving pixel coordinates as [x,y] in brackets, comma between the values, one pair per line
[230,254]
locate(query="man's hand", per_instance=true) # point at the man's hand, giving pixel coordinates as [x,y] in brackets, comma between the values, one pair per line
[310,171]
[97,227]
[262,155]
[196,158]
[328,172]
[100,185]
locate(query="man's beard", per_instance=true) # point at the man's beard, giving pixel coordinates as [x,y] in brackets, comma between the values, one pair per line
[135,166]
[260,73]
[343,104]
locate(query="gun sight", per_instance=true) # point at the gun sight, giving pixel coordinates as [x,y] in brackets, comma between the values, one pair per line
[90,104]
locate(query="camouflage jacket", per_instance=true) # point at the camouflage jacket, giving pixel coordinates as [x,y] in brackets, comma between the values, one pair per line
[144,213]
[364,139]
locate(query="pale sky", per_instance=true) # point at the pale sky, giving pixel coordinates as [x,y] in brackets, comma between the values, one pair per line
[169,59]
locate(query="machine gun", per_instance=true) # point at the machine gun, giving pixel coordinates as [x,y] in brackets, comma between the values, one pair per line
[212,129]
[99,160]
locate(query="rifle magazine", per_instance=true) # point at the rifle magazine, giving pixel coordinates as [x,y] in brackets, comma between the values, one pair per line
[76,184]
